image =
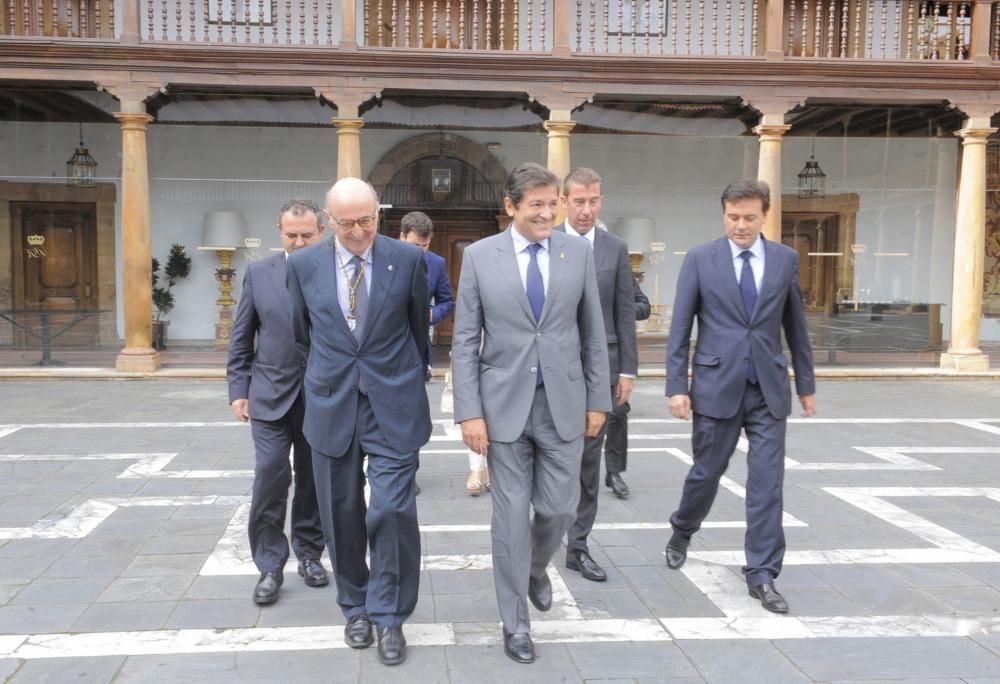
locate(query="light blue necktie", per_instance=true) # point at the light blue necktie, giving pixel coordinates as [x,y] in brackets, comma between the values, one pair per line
[535,289]
[748,288]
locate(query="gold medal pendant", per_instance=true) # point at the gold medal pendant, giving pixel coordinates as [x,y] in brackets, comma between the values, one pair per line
[352,323]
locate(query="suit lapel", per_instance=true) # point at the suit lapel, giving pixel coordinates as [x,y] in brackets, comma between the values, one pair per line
[772,270]
[507,264]
[723,258]
[384,270]
[326,268]
[600,254]
[557,270]
[279,271]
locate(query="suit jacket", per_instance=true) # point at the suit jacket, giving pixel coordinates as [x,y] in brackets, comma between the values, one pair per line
[707,290]
[264,364]
[440,289]
[642,308]
[615,285]
[497,345]
[388,360]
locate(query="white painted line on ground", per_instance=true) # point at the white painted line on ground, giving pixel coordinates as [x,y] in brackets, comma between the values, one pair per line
[73,426]
[979,425]
[148,466]
[893,458]
[8,431]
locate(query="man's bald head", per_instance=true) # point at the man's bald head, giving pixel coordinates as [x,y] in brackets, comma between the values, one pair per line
[352,208]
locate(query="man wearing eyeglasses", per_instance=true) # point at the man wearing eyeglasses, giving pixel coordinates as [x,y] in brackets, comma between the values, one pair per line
[583,201]
[359,313]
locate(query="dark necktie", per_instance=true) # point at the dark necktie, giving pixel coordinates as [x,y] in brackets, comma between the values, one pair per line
[748,289]
[360,296]
[535,289]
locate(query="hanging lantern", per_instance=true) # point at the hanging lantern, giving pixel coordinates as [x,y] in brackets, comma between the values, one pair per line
[812,180]
[81,169]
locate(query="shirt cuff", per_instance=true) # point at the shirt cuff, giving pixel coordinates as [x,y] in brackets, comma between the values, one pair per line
[626,375]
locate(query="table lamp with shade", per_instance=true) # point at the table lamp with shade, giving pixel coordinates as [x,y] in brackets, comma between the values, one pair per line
[223,232]
[638,232]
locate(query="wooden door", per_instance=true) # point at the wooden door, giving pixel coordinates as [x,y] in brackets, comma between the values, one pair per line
[55,266]
[816,238]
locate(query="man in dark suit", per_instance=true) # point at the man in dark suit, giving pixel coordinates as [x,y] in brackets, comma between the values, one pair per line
[743,290]
[582,199]
[265,387]
[359,314]
[530,369]
[418,229]
[616,441]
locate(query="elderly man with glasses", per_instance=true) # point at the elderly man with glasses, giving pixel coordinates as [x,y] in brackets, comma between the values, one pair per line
[359,314]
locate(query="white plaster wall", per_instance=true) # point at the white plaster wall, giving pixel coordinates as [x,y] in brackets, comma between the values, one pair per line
[906,189]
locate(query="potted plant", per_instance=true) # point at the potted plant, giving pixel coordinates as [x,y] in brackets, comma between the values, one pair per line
[178,268]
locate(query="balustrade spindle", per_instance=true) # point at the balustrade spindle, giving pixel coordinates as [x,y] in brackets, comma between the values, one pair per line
[689,19]
[329,22]
[54,15]
[909,30]
[858,21]
[673,26]
[475,25]
[531,24]
[728,34]
[870,15]
[69,17]
[579,25]
[461,23]
[232,19]
[41,19]
[661,31]
[754,30]
[11,23]
[517,26]
[922,33]
[178,16]
[830,26]
[26,18]
[288,21]
[844,14]
[489,25]
[394,24]
[434,23]
[715,26]
[111,17]
[817,29]
[897,23]
[884,26]
[542,5]
[960,35]
[207,31]
[192,10]
[805,29]
[648,23]
[380,20]
[367,20]
[302,22]
[621,25]
[315,21]
[996,31]
[792,7]
[633,22]
[407,18]
[701,27]
[593,24]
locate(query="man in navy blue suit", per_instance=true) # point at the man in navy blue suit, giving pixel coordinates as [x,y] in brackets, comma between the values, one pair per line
[359,314]
[743,290]
[418,229]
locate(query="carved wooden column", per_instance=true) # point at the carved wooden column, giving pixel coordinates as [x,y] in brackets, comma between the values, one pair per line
[982,19]
[348,25]
[774,35]
[137,281]
[771,131]
[348,124]
[970,246]
[131,13]
[560,28]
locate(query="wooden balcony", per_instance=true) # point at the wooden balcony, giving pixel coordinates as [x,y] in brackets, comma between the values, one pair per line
[812,29]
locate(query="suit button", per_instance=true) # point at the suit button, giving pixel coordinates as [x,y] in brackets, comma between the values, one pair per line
[534,369]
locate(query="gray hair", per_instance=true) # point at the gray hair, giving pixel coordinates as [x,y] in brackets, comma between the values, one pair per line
[526,177]
[299,207]
[417,222]
[582,176]
[747,189]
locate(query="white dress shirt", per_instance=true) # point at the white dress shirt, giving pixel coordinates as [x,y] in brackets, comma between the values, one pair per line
[756,261]
[521,245]
[341,255]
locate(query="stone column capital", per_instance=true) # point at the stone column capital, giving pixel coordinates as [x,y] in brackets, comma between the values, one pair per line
[346,125]
[559,102]
[559,129]
[133,121]
[771,132]
[132,95]
[978,114]
[975,136]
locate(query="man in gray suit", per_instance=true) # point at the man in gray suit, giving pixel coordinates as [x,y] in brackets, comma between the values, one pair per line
[265,387]
[743,290]
[583,200]
[530,370]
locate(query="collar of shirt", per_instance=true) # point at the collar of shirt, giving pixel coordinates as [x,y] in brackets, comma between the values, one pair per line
[521,243]
[589,235]
[757,249]
[344,256]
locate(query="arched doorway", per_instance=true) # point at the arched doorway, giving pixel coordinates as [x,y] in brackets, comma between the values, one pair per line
[454,180]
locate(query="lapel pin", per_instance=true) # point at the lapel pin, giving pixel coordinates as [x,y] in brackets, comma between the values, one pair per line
[390,267]
[562,255]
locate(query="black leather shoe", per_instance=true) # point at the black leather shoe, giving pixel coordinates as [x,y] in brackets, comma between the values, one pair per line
[769,597]
[677,550]
[540,592]
[586,566]
[313,572]
[267,588]
[617,484]
[358,632]
[518,647]
[391,645]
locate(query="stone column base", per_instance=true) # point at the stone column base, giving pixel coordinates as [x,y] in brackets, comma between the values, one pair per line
[138,360]
[968,363]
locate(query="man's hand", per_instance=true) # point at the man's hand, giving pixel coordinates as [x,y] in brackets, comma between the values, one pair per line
[624,390]
[808,402]
[241,410]
[680,406]
[474,435]
[595,421]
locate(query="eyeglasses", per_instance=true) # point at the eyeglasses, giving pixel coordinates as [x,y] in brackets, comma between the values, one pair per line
[347,224]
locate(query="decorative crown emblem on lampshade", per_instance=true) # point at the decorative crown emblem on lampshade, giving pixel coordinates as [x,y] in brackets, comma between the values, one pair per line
[252,243]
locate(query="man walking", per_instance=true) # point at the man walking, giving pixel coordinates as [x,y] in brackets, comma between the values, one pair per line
[530,369]
[359,314]
[265,387]
[743,290]
[583,201]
